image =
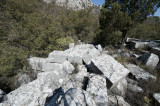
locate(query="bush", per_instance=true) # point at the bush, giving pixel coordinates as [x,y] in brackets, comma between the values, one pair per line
[35,28]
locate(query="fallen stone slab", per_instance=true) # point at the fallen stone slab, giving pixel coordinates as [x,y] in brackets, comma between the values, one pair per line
[97,88]
[110,68]
[80,52]
[157,98]
[139,73]
[138,44]
[90,55]
[72,97]
[149,59]
[36,92]
[115,100]
[153,44]
[43,64]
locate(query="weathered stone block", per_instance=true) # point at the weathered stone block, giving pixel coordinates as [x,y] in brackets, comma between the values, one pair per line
[110,68]
[97,87]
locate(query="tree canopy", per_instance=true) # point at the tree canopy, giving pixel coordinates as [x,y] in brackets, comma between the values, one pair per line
[122,15]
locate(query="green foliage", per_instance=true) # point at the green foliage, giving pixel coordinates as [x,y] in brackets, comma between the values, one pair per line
[149,29]
[122,15]
[34,28]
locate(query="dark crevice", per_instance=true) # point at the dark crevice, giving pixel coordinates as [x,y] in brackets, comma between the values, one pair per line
[85,83]
[91,68]
[6,88]
[131,76]
[108,83]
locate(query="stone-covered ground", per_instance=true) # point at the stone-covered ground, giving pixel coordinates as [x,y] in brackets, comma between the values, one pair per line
[88,75]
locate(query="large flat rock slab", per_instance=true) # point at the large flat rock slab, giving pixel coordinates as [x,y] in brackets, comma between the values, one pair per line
[110,68]
[72,97]
[139,73]
[138,44]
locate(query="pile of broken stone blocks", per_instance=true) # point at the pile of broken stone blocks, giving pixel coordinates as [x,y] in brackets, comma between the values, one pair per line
[81,75]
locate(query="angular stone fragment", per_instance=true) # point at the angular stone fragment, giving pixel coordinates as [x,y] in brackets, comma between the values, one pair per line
[97,88]
[42,64]
[150,60]
[153,44]
[139,73]
[77,78]
[80,52]
[90,55]
[120,88]
[36,63]
[110,68]
[57,56]
[138,44]
[22,78]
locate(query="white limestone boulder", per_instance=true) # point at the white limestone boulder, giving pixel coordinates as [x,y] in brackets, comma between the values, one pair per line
[22,78]
[57,57]
[90,55]
[79,52]
[36,92]
[110,68]
[139,73]
[150,60]
[44,64]
[36,63]
[97,88]
[120,88]
[138,44]
[77,78]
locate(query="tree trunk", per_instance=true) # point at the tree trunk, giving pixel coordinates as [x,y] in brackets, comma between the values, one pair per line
[124,33]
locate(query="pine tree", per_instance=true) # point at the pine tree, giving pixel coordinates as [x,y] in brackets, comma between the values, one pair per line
[122,15]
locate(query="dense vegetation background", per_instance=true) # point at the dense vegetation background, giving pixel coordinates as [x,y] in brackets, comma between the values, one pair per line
[34,28]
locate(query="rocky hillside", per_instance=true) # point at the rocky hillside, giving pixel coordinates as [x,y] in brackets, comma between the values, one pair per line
[72,4]
[83,75]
